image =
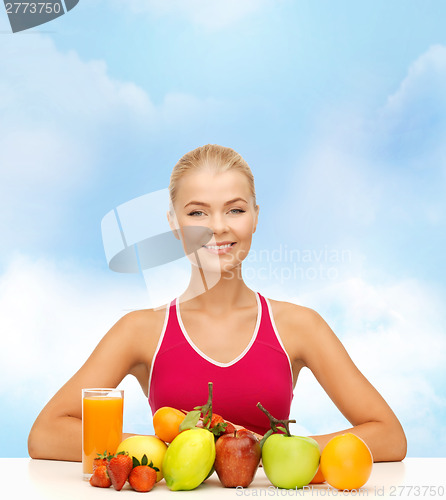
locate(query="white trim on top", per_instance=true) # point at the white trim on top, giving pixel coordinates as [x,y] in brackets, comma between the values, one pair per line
[160,340]
[205,356]
[271,316]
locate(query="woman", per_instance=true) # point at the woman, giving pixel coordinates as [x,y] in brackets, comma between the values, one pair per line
[219,330]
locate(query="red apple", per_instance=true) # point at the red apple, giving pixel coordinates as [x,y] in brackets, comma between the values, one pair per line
[237,458]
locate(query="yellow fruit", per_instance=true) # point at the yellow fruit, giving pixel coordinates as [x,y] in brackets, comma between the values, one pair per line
[153,447]
[189,459]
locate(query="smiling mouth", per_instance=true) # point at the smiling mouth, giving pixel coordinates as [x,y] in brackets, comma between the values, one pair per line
[217,247]
[220,248]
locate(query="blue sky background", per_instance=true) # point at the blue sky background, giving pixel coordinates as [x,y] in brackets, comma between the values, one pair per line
[340,110]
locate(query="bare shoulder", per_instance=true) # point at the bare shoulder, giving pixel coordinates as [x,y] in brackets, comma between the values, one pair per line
[309,337]
[144,324]
[293,316]
[136,329]
[141,319]
[300,329]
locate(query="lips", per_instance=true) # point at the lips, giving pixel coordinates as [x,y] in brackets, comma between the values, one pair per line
[220,248]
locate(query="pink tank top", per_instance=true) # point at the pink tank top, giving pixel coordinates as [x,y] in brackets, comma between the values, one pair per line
[180,373]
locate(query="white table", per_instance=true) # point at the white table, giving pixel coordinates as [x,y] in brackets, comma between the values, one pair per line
[23,478]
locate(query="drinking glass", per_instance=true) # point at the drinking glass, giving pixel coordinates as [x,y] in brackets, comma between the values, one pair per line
[102,414]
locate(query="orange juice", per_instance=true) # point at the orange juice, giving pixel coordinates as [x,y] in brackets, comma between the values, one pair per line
[101,427]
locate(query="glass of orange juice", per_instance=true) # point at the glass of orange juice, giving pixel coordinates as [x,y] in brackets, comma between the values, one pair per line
[102,413]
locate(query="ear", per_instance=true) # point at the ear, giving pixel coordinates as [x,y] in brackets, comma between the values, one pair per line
[256,218]
[173,223]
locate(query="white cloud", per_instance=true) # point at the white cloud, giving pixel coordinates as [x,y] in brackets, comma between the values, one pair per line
[410,127]
[56,112]
[45,85]
[364,171]
[60,119]
[336,185]
[422,90]
[208,14]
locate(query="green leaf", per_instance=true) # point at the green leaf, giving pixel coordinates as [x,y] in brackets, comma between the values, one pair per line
[282,429]
[190,420]
[135,462]
[153,467]
[144,460]
[265,437]
[219,428]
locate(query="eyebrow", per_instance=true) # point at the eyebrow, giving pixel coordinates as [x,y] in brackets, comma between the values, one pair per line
[202,204]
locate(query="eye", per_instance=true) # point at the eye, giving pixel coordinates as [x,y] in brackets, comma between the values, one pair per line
[237,211]
[196,213]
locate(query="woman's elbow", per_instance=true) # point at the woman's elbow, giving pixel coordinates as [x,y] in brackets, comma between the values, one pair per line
[400,447]
[38,441]
[396,444]
[34,448]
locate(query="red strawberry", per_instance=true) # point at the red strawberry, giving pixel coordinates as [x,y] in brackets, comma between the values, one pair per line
[216,419]
[119,468]
[224,428]
[101,459]
[100,477]
[142,478]
[229,428]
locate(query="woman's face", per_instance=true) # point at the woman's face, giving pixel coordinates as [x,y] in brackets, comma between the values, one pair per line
[222,203]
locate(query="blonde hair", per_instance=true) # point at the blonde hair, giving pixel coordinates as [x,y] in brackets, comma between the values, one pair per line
[213,157]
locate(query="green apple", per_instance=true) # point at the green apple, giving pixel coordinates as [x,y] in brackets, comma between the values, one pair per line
[290,461]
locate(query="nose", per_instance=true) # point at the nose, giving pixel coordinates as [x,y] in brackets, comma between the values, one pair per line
[219,224]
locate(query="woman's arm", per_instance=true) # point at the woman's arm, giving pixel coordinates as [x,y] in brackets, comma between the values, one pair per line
[57,431]
[361,404]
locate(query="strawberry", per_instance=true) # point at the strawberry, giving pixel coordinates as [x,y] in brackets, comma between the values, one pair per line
[220,426]
[143,476]
[216,419]
[119,468]
[100,477]
[229,428]
[101,459]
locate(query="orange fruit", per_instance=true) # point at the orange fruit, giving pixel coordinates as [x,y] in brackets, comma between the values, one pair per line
[166,422]
[318,477]
[346,462]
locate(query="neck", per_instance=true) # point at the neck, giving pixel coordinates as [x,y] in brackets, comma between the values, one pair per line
[217,292]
